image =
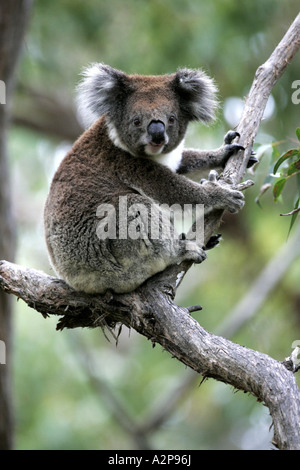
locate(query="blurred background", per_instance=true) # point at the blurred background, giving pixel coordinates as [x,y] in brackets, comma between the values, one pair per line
[76,389]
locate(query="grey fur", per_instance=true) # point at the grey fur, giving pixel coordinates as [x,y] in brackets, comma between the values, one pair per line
[117,158]
[202,89]
[97,91]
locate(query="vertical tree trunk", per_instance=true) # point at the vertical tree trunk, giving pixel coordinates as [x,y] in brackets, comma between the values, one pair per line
[13,20]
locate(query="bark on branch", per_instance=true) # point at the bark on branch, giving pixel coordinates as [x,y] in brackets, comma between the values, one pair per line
[150,309]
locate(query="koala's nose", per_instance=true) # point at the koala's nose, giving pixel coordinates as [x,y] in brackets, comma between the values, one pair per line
[156,131]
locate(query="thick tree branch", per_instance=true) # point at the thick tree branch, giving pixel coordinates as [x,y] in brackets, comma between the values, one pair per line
[151,312]
[246,308]
[150,309]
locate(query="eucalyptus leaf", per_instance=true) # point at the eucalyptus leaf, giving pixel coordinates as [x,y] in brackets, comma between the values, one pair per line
[294,168]
[288,154]
[278,187]
[294,216]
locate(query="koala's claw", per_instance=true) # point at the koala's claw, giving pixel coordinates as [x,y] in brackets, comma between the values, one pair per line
[244,185]
[252,160]
[230,136]
[231,149]
[213,241]
[213,176]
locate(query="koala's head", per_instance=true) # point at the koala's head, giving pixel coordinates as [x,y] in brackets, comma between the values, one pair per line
[146,115]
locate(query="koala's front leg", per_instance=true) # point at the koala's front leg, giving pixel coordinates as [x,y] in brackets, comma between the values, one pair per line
[195,160]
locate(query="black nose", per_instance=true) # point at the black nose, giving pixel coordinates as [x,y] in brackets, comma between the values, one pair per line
[156,131]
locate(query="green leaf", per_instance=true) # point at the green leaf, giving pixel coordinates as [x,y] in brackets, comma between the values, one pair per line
[278,187]
[294,216]
[298,134]
[294,167]
[288,154]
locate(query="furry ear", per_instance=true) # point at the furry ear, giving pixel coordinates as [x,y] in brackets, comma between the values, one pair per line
[198,94]
[99,92]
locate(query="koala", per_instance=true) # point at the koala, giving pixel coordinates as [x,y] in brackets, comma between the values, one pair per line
[133,153]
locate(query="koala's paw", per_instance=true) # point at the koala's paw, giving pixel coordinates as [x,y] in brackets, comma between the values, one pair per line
[230,136]
[230,148]
[223,196]
[233,200]
[252,160]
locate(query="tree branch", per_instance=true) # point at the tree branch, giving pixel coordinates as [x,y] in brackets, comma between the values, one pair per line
[150,309]
[48,114]
[245,309]
[151,312]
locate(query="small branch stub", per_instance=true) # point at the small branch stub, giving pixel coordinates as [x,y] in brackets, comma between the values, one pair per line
[292,363]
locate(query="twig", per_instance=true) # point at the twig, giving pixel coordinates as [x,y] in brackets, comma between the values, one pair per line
[292,212]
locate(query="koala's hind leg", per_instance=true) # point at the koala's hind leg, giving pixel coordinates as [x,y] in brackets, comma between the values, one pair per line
[151,244]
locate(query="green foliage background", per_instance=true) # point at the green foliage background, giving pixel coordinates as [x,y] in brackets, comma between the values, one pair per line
[57,404]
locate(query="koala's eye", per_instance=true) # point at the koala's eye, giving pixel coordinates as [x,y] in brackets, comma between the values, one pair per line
[137,122]
[171,119]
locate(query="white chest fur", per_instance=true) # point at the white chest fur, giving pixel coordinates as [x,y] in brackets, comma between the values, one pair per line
[171,160]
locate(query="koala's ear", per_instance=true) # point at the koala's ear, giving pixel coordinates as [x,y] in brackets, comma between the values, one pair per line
[99,92]
[198,94]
